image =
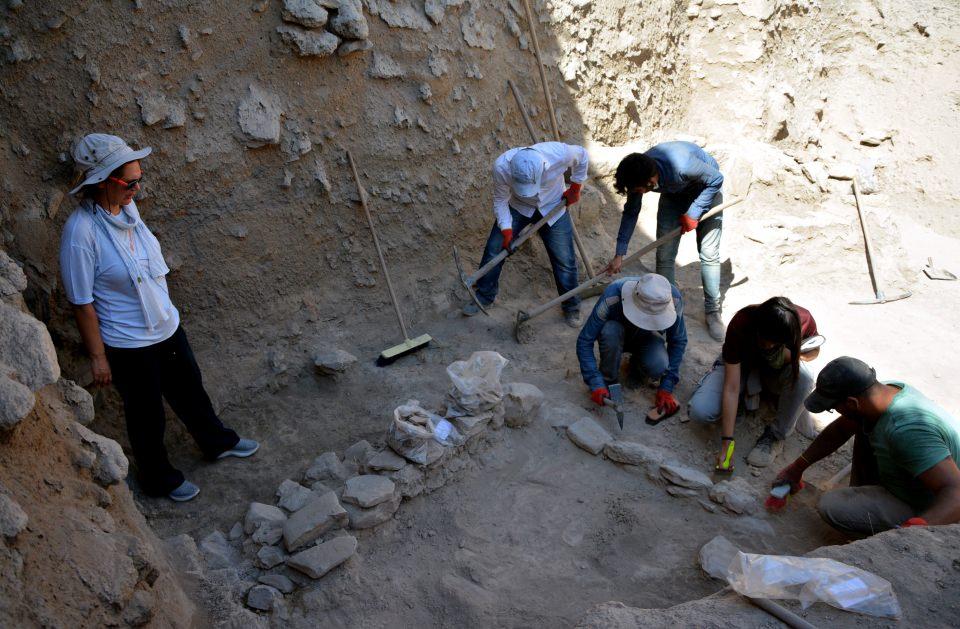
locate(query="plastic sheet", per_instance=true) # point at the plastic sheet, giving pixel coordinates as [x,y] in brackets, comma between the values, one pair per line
[476,381]
[420,436]
[805,579]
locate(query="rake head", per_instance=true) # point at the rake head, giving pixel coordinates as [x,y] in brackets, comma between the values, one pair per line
[465,280]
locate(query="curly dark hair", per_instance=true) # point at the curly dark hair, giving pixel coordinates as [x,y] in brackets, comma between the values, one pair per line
[634,170]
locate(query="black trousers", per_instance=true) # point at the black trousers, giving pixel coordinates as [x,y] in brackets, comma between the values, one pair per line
[144,376]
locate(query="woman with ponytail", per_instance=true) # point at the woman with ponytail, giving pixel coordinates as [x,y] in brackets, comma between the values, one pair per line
[761,354]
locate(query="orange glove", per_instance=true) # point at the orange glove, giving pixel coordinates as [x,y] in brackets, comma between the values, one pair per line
[666,403]
[914,522]
[597,395]
[507,237]
[687,224]
[572,195]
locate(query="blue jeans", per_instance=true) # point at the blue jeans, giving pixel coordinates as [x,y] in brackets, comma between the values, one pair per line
[672,206]
[648,351]
[557,238]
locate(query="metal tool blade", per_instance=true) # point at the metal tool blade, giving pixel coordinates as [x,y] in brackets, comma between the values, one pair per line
[464,279]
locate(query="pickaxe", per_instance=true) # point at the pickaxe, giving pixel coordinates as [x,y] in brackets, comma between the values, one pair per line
[616,401]
[528,231]
[523,316]
[881,298]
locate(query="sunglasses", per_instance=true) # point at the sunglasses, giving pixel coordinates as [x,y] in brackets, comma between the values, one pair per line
[128,185]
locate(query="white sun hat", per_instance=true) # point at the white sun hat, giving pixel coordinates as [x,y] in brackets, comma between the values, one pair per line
[526,172]
[648,302]
[99,154]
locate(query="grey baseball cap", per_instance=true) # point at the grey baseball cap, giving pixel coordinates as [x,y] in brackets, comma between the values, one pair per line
[841,378]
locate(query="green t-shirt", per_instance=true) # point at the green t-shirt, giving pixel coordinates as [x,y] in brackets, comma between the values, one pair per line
[913,435]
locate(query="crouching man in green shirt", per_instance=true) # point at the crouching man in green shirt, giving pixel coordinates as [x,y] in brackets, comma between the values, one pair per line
[905,452]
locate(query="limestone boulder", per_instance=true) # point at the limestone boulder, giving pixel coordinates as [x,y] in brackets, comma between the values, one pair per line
[78,400]
[683,476]
[318,560]
[368,490]
[736,495]
[292,495]
[386,461]
[263,598]
[308,43]
[632,453]
[321,514]
[12,278]
[261,515]
[349,22]
[218,553]
[27,349]
[309,13]
[521,403]
[258,115]
[361,518]
[589,435]
[16,401]
[108,464]
[327,468]
[12,518]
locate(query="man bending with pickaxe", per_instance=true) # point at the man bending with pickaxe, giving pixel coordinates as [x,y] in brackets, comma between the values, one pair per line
[527,184]
[689,181]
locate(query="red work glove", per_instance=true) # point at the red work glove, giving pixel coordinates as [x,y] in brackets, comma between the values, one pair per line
[572,195]
[507,237]
[666,403]
[687,224]
[914,522]
[597,395]
[792,474]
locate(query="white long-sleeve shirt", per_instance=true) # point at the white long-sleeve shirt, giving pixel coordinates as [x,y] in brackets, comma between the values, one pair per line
[558,157]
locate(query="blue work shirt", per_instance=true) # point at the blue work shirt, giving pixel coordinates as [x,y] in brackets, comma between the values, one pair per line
[684,168]
[609,308]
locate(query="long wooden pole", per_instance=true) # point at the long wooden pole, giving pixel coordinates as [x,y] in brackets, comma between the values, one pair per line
[553,124]
[523,111]
[376,243]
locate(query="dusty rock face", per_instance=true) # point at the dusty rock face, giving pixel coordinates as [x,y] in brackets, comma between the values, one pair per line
[308,43]
[259,118]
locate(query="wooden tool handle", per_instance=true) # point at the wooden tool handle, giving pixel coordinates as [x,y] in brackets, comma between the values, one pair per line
[376,243]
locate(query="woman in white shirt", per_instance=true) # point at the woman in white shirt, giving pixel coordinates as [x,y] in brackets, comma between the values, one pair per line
[115,277]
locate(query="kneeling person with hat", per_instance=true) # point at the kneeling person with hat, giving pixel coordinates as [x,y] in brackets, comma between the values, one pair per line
[642,316]
[905,450]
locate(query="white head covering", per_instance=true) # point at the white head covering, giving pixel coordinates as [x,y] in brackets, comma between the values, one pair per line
[648,302]
[526,172]
[99,154]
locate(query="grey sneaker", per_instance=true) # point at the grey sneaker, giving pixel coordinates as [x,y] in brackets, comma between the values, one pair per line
[243,449]
[715,326]
[767,449]
[186,491]
[472,308]
[572,318]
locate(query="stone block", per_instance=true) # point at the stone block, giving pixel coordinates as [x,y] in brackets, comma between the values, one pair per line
[368,490]
[260,515]
[522,403]
[386,460]
[258,115]
[588,435]
[683,476]
[263,598]
[309,13]
[26,348]
[109,465]
[358,452]
[308,43]
[409,481]
[736,495]
[218,553]
[321,514]
[349,22]
[270,556]
[292,496]
[77,399]
[632,453]
[361,518]
[277,581]
[16,400]
[330,362]
[327,467]
[318,560]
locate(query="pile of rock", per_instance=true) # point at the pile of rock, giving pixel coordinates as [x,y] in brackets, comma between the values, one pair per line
[734,496]
[318,28]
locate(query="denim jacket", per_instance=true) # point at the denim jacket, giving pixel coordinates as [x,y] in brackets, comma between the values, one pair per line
[684,168]
[608,308]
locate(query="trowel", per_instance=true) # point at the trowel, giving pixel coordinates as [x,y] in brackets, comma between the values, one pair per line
[616,401]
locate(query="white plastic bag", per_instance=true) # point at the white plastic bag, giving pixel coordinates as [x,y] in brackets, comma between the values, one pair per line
[419,435]
[806,579]
[476,381]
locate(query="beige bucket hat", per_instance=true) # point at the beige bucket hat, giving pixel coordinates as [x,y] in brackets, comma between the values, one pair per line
[648,302]
[99,154]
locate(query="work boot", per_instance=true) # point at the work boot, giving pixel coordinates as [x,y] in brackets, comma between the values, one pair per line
[767,449]
[572,318]
[715,326]
[472,308]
